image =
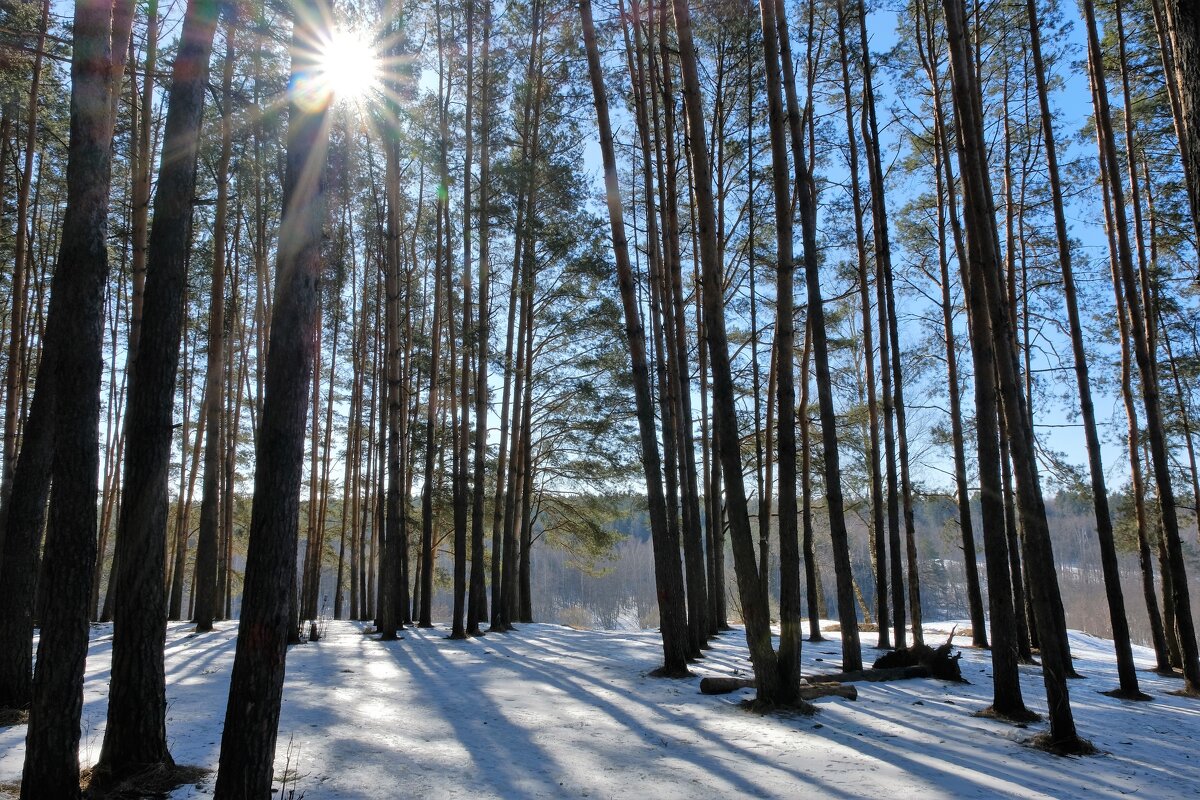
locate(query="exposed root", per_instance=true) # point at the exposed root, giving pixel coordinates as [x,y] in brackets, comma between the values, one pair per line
[1073,746]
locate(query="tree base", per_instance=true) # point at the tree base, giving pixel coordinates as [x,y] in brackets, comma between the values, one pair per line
[474,632]
[763,707]
[1123,694]
[500,627]
[1187,691]
[1017,716]
[674,672]
[391,638]
[1073,746]
[1166,672]
[457,635]
[157,780]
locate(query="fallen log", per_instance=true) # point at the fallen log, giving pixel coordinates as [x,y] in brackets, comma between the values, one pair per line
[825,689]
[873,675]
[940,661]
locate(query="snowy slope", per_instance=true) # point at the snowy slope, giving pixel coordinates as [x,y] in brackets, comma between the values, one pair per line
[554,712]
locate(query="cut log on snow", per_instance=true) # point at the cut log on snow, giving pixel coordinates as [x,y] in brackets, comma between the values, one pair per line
[826,689]
[724,685]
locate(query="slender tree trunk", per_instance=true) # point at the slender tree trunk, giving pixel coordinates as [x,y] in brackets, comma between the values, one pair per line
[987,305]
[1141,329]
[477,604]
[17,341]
[847,610]
[672,624]
[878,529]
[207,539]
[757,618]
[136,737]
[785,345]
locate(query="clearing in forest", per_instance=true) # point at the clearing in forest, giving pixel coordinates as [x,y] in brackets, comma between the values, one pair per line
[550,711]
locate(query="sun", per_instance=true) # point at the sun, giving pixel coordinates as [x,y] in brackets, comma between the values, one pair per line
[349,66]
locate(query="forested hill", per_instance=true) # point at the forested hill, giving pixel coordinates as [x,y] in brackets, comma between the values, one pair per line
[618,591]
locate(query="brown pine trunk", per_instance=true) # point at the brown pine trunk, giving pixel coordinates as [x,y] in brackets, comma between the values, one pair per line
[758,633]
[256,683]
[660,306]
[877,530]
[477,610]
[74,355]
[22,262]
[136,736]
[987,305]
[700,622]
[1007,700]
[21,526]
[785,345]
[1126,672]
[1182,23]
[806,190]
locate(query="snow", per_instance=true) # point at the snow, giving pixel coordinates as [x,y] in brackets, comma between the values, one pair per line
[549,711]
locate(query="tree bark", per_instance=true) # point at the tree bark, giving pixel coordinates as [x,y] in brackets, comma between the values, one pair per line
[206,547]
[73,353]
[256,683]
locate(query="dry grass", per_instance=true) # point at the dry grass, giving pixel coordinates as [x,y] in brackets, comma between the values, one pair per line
[13,716]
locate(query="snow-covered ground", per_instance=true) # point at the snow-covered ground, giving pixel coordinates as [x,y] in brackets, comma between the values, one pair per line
[549,711]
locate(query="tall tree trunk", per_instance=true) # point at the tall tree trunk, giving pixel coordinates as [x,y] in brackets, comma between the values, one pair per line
[20,532]
[207,539]
[806,200]
[672,625]
[477,604]
[987,306]
[136,735]
[700,624]
[74,355]
[756,615]
[1181,18]
[785,346]
[1126,672]
[22,262]
[878,530]
[1141,327]
[256,683]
